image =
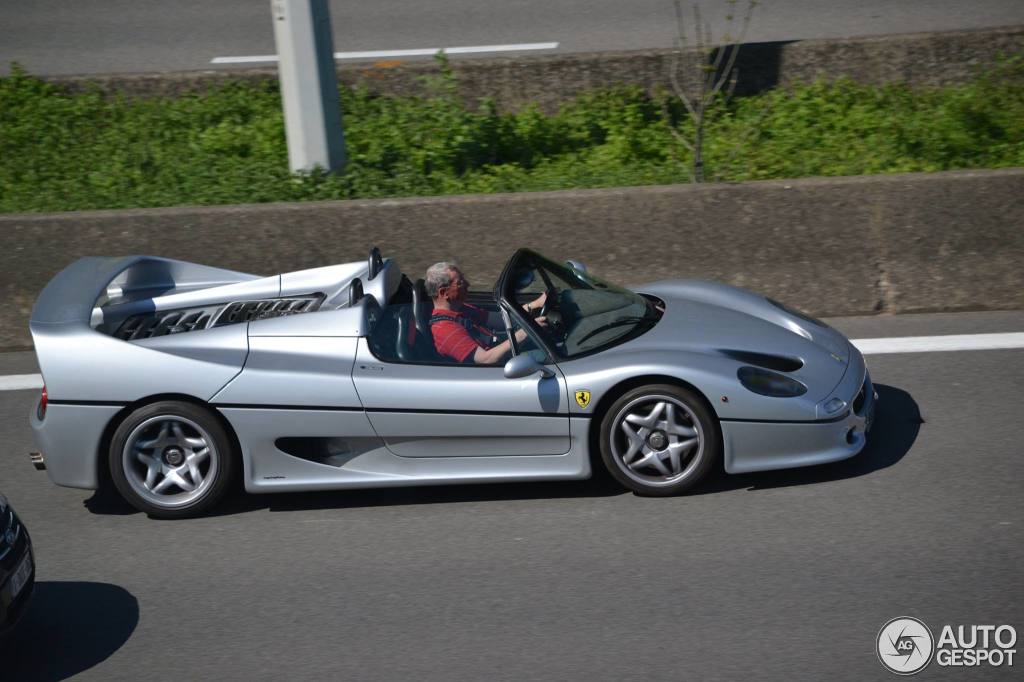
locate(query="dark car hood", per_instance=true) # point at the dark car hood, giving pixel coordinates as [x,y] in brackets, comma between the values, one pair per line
[708,317]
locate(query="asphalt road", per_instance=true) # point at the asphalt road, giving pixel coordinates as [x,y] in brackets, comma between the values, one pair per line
[784,575]
[50,37]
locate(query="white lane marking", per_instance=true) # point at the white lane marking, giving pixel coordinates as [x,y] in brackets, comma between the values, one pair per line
[417,52]
[20,382]
[895,344]
[932,344]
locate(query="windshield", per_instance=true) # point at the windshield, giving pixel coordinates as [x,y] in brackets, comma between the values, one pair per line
[582,314]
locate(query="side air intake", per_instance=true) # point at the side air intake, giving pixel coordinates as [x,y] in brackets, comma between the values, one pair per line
[779,363]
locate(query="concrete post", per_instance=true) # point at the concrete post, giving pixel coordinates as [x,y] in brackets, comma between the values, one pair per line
[309,85]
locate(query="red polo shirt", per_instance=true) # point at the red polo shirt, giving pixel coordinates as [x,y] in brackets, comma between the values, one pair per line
[451,338]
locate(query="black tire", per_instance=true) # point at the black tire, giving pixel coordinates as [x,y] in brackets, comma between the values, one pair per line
[181,431]
[687,467]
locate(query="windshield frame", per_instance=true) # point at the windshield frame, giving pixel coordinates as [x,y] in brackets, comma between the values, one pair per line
[502,294]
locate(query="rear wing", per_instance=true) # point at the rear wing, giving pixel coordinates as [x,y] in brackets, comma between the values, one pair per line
[78,363]
[71,295]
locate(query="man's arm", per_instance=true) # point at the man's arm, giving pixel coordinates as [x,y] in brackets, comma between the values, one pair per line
[536,304]
[496,354]
[493,356]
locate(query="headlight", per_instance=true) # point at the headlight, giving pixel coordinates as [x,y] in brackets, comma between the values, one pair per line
[763,382]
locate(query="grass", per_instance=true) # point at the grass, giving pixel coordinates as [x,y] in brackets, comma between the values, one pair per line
[66,152]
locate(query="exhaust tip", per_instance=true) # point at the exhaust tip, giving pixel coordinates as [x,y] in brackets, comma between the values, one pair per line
[37,460]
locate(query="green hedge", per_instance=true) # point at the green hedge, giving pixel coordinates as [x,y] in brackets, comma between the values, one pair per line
[61,152]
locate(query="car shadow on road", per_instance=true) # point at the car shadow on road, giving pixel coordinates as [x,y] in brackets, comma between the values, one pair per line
[69,628]
[897,422]
[107,502]
[439,494]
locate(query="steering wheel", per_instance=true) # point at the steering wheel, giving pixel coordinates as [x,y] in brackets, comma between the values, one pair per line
[375,263]
[548,305]
[551,309]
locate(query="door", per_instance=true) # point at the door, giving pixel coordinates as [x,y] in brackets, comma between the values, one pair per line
[425,410]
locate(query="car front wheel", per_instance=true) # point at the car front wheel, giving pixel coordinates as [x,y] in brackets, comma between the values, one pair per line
[171,460]
[659,440]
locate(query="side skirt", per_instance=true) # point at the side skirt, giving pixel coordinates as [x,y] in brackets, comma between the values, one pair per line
[342,451]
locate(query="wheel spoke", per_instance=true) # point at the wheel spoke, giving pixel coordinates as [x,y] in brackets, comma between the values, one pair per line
[670,417]
[649,420]
[675,426]
[673,459]
[199,456]
[151,477]
[659,465]
[683,445]
[164,484]
[650,459]
[635,419]
[641,463]
[192,462]
[679,450]
[681,430]
[197,477]
[635,440]
[195,442]
[175,476]
[160,440]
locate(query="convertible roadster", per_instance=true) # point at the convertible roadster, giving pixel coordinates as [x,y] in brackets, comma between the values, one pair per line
[169,379]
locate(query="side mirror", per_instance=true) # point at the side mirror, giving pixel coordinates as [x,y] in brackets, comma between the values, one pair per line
[523,365]
[576,265]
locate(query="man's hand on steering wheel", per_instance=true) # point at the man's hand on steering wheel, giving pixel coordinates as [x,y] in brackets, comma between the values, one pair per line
[537,304]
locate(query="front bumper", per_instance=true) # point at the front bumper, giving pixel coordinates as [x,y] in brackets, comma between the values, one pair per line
[13,600]
[761,446]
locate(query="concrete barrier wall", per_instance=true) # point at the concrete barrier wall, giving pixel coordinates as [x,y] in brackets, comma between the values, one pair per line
[917,59]
[832,246]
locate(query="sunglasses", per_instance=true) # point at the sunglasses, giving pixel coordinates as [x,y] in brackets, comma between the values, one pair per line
[460,282]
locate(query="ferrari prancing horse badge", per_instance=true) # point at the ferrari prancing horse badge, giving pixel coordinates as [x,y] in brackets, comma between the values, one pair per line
[583,398]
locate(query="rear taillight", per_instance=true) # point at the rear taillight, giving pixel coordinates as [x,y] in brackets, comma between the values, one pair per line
[41,410]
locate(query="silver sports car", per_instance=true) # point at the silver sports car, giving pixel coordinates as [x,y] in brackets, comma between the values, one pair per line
[169,379]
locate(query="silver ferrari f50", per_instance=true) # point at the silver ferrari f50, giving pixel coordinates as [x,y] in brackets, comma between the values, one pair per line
[170,379]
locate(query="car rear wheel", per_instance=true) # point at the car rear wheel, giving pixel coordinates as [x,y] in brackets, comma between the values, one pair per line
[659,440]
[171,460]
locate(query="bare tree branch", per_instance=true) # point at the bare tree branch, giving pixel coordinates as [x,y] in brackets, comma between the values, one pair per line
[714,70]
[736,46]
[680,93]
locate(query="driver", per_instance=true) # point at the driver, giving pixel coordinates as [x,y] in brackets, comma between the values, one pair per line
[461,330]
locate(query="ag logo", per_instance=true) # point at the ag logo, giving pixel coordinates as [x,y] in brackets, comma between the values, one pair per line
[583,398]
[905,645]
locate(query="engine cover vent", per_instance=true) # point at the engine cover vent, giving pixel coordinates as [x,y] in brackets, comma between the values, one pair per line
[247,311]
[165,322]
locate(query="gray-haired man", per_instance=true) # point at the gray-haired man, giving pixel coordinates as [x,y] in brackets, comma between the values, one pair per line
[460,329]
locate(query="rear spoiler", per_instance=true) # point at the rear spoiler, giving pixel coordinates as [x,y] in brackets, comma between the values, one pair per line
[70,296]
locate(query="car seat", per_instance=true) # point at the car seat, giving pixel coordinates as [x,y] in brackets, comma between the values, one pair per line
[413,339]
[422,308]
